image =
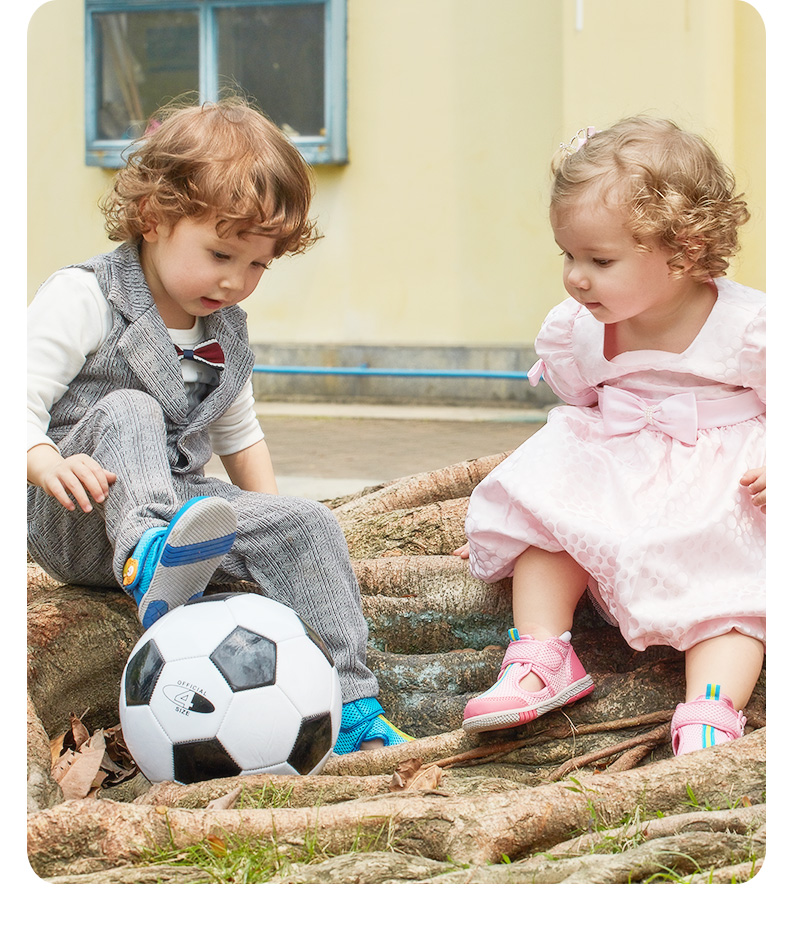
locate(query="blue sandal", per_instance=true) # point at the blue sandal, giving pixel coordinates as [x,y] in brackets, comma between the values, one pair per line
[361,722]
[173,564]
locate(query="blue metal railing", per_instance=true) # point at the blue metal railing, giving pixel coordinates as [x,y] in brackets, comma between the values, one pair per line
[364,371]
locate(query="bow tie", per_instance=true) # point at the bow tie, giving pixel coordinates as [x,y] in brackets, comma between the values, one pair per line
[209,352]
[624,413]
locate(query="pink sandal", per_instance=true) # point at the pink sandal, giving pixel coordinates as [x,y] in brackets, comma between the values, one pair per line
[711,719]
[506,704]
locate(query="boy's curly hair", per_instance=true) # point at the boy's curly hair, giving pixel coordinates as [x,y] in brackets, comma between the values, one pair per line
[224,159]
[672,184]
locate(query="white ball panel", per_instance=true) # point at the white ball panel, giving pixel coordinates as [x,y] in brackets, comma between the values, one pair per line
[305,675]
[170,702]
[283,768]
[149,744]
[266,617]
[192,630]
[259,728]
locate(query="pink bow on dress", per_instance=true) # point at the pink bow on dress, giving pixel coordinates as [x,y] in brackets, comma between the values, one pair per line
[624,413]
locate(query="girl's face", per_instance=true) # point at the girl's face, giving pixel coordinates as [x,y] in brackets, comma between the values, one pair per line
[604,270]
[191,271]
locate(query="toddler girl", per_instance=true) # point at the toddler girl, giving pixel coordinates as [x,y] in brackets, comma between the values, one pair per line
[139,368]
[648,488]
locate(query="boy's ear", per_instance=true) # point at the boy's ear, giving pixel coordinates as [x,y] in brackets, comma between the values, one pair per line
[150,226]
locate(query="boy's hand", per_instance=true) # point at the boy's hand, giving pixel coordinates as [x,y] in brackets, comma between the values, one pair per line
[754,482]
[77,477]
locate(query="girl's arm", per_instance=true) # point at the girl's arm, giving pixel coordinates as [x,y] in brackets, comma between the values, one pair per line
[251,468]
[754,481]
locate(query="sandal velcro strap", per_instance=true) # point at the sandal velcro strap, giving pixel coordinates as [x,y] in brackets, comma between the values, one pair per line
[720,714]
[545,654]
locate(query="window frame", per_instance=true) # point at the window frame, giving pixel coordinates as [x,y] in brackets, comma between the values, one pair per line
[331,148]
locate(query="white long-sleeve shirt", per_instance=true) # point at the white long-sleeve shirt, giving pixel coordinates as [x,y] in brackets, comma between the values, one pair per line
[67,321]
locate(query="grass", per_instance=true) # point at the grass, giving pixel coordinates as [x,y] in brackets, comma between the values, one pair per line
[230,859]
[618,836]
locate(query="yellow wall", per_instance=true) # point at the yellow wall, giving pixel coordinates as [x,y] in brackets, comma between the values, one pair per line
[436,231]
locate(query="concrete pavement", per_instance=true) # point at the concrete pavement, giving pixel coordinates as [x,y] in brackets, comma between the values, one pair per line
[321,451]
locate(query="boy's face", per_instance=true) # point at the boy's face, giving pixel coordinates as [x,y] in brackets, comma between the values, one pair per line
[191,271]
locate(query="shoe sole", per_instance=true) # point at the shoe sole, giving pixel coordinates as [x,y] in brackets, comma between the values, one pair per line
[198,541]
[509,719]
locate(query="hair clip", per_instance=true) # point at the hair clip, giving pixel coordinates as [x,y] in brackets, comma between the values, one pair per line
[578,141]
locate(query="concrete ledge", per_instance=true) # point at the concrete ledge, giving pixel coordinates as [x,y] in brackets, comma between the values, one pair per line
[439,390]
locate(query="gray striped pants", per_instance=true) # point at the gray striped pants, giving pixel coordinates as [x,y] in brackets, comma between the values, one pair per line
[293,549]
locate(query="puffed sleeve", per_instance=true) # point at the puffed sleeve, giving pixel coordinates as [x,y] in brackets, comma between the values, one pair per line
[558,357]
[752,355]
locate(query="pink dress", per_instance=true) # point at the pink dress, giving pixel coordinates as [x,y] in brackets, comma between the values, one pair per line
[673,545]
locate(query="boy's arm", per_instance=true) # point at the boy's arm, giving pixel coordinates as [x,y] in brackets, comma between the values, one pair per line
[77,476]
[251,468]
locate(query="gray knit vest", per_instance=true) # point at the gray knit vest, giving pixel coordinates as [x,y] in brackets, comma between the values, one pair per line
[139,355]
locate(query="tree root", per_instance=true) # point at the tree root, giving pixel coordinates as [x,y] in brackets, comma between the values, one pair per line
[416,490]
[92,835]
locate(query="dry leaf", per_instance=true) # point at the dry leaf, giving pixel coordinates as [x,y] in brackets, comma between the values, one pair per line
[62,764]
[56,748]
[216,845]
[225,802]
[411,775]
[79,777]
[118,762]
[78,731]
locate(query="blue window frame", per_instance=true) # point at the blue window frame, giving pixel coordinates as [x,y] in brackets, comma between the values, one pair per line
[288,56]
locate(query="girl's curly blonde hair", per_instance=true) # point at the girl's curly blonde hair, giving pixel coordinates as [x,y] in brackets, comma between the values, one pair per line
[221,159]
[671,183]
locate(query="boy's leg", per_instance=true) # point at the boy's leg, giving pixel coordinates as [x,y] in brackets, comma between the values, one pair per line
[294,550]
[142,515]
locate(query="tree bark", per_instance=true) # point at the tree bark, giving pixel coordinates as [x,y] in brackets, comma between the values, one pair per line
[92,835]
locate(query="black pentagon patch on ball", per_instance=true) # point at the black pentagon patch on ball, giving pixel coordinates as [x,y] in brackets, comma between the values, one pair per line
[312,743]
[202,761]
[246,659]
[316,639]
[142,673]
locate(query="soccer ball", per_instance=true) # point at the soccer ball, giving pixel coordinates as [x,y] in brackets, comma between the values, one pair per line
[229,684]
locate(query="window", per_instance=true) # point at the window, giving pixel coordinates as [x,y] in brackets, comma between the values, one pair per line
[288,56]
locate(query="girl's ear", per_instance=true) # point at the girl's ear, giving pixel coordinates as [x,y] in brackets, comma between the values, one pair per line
[693,249]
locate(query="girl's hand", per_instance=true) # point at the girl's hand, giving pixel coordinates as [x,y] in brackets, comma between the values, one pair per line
[463,551]
[754,482]
[77,477]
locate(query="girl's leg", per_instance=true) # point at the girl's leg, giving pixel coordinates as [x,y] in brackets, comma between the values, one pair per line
[733,661]
[540,671]
[720,676]
[547,586]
